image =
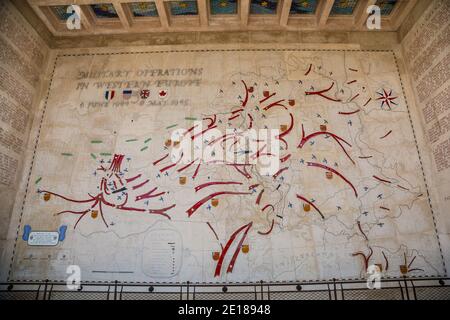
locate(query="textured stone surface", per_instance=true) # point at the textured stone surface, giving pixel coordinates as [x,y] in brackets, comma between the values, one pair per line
[427,55]
[22,59]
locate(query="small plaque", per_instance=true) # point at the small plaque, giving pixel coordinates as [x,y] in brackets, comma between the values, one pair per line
[43,238]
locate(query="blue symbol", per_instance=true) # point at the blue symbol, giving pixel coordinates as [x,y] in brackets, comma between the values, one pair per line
[26,232]
[62,233]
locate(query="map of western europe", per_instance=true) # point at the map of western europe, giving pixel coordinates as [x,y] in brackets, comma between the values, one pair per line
[226,166]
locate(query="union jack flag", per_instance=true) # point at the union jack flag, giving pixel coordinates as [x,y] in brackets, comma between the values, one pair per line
[144,94]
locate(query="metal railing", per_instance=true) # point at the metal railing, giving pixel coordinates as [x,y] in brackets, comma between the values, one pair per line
[391,289]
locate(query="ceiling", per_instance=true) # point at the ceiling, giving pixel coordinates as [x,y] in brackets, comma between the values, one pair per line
[146,16]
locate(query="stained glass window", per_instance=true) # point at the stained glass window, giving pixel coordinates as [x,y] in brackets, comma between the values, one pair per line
[344,7]
[143,9]
[263,6]
[104,10]
[303,6]
[386,6]
[61,12]
[223,6]
[183,8]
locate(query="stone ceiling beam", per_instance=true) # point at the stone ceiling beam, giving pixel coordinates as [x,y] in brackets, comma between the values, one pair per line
[324,12]
[285,8]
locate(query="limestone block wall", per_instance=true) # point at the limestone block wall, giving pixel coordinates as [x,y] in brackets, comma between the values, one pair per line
[426,52]
[23,56]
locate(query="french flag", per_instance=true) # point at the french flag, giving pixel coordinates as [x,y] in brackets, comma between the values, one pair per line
[109,95]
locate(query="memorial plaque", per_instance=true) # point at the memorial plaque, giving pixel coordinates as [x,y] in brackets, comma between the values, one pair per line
[43,238]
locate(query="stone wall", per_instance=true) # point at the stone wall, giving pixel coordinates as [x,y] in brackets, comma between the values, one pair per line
[426,50]
[23,56]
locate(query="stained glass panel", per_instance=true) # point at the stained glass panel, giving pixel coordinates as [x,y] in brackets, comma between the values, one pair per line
[223,6]
[61,12]
[386,6]
[263,6]
[344,7]
[303,6]
[143,9]
[183,8]
[104,10]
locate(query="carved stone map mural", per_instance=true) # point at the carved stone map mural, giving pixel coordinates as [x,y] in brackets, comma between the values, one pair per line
[108,190]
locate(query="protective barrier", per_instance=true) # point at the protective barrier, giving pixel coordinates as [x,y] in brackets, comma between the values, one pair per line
[391,289]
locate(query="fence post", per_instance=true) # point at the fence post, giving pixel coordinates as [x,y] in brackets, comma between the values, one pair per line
[187,290]
[50,292]
[401,289]
[406,287]
[45,290]
[181,291]
[414,289]
[37,292]
[115,290]
[334,289]
[262,290]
